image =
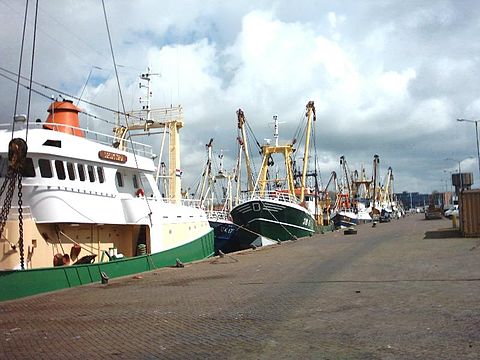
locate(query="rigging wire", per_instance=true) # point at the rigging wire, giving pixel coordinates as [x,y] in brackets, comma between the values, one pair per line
[123,103]
[20,65]
[31,68]
[259,147]
[299,129]
[317,167]
[49,98]
[77,56]
[71,96]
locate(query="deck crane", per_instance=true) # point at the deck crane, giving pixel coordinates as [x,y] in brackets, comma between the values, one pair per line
[332,179]
[206,186]
[386,192]
[244,148]
[349,177]
[361,185]
[374,195]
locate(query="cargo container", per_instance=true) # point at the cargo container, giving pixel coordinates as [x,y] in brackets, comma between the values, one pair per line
[469,205]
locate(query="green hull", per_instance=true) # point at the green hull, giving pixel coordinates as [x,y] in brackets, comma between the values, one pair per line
[15,284]
[275,220]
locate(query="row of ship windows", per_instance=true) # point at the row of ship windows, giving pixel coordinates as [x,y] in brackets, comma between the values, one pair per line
[93,173]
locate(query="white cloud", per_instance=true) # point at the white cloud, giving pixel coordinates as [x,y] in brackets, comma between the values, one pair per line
[430,116]
[383,79]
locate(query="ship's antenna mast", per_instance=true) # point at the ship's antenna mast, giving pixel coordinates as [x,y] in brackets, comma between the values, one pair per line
[147,108]
[221,171]
[275,129]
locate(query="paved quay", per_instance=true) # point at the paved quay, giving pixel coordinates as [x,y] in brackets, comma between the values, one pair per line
[408,289]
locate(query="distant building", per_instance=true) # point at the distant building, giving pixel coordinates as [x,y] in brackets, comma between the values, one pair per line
[412,200]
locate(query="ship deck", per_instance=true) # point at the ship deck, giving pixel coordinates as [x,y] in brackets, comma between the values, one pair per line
[404,289]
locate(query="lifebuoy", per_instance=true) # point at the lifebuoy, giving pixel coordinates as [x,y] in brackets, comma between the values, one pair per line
[140,192]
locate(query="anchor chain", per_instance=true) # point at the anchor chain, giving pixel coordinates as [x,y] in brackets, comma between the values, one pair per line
[17,152]
[20,221]
[9,183]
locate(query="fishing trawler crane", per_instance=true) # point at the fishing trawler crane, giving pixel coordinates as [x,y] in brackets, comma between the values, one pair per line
[267,151]
[224,175]
[207,180]
[361,185]
[310,114]
[375,175]
[347,176]
[386,194]
[327,200]
[241,127]
[237,173]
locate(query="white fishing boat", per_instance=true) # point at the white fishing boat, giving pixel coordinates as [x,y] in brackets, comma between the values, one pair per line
[89,205]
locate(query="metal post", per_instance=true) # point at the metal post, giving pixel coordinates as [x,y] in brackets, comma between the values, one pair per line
[476,135]
[461,178]
[478,148]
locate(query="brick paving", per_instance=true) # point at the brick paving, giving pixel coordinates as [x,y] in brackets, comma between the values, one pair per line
[408,289]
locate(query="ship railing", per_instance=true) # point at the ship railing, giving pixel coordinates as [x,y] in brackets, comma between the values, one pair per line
[163,115]
[138,148]
[217,215]
[197,204]
[272,195]
[194,203]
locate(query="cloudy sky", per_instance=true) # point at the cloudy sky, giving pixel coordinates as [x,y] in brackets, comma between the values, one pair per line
[387,77]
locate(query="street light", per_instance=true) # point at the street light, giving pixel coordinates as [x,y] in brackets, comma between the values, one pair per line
[476,134]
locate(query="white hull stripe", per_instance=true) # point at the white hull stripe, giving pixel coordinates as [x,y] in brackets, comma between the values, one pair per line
[281,224]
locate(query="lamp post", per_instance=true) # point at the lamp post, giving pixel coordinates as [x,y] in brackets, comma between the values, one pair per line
[476,134]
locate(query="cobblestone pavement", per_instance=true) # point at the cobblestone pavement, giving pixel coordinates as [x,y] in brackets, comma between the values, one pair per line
[408,289]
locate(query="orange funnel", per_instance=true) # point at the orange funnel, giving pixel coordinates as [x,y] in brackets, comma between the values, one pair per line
[63,117]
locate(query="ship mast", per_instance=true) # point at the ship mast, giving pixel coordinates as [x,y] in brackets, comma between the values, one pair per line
[223,174]
[207,182]
[310,114]
[241,126]
[146,77]
[376,161]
